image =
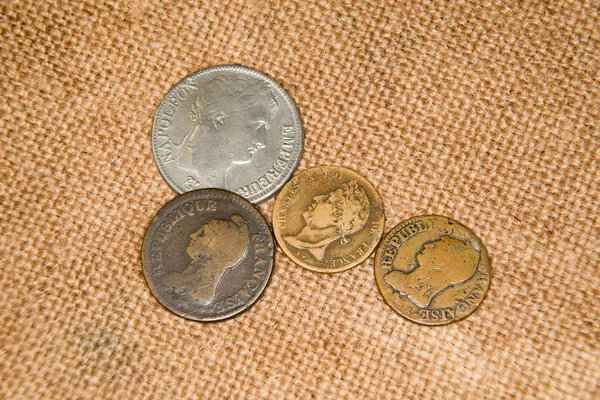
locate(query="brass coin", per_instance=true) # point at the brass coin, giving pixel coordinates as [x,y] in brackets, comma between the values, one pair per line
[432,270]
[207,255]
[328,219]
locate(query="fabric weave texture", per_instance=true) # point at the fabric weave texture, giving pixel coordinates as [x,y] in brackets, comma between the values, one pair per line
[485,112]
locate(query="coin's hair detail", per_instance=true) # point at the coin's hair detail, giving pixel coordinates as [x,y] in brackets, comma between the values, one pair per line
[228,105]
[235,90]
[437,265]
[228,127]
[215,247]
[335,215]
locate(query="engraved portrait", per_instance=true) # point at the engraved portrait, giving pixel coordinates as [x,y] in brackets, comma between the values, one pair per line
[332,216]
[436,266]
[228,124]
[218,245]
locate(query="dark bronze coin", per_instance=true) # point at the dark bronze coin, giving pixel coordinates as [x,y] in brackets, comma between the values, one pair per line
[207,255]
[432,270]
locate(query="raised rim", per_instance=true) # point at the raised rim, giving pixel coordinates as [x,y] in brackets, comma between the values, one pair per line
[232,67]
[386,238]
[354,263]
[158,218]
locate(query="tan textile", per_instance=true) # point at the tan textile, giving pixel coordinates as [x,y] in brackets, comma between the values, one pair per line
[486,112]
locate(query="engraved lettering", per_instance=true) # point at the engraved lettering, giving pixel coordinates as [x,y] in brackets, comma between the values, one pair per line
[164,227]
[437,314]
[244,293]
[288,138]
[386,261]
[191,84]
[167,156]
[288,130]
[412,229]
[169,109]
[205,205]
[259,245]
[263,181]
[232,302]
[390,251]
[188,208]
[374,227]
[267,179]
[294,188]
[158,270]
[362,249]
[252,284]
[429,291]
[183,93]
[243,191]
[339,261]
[160,236]
[179,215]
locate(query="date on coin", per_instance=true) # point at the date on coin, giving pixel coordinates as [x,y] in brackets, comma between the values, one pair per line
[432,270]
[207,255]
[328,219]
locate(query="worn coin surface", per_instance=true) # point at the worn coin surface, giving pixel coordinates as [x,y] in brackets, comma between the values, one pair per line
[207,255]
[227,127]
[328,219]
[432,270]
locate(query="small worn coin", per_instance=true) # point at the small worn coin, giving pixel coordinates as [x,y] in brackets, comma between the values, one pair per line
[432,270]
[227,127]
[207,255]
[328,219]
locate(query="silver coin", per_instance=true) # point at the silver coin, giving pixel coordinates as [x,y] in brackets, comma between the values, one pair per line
[208,255]
[228,127]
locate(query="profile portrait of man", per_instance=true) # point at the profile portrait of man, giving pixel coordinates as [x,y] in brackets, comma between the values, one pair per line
[437,265]
[332,216]
[229,122]
[218,245]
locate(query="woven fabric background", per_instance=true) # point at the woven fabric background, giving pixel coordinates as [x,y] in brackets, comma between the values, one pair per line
[486,112]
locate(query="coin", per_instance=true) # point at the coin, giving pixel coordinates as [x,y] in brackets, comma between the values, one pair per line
[328,219]
[207,255]
[432,270]
[227,127]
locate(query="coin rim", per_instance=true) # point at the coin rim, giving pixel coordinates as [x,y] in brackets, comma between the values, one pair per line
[159,217]
[239,68]
[353,264]
[377,264]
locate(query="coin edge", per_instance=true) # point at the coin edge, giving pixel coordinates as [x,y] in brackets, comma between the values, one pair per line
[377,279]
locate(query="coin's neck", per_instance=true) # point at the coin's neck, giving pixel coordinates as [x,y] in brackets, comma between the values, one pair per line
[319,237]
[205,291]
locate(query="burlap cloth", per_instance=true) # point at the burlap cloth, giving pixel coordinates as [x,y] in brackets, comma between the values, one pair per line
[486,113]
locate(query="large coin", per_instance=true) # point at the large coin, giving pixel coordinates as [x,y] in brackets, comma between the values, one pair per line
[328,219]
[207,255]
[432,270]
[227,127]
